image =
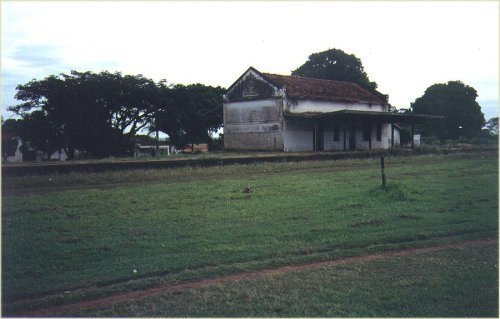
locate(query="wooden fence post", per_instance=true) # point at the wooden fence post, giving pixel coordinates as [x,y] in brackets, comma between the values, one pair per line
[382,167]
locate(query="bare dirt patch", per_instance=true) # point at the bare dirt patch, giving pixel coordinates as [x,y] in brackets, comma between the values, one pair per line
[172,288]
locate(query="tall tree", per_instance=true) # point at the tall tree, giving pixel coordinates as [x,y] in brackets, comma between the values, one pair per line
[457,103]
[37,132]
[191,113]
[97,113]
[334,64]
[100,113]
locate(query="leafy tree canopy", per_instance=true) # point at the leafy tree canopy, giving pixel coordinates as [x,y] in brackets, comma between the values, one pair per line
[92,112]
[335,64]
[492,126]
[457,103]
[101,113]
[10,130]
[192,112]
[10,127]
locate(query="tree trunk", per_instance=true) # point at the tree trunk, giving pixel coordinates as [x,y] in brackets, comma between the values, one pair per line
[71,153]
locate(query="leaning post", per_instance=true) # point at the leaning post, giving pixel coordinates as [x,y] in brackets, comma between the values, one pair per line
[382,167]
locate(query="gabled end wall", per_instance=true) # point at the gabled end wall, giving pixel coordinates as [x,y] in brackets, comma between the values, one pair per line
[253,114]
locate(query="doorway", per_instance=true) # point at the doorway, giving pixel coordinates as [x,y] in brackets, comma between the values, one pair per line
[352,137]
[318,136]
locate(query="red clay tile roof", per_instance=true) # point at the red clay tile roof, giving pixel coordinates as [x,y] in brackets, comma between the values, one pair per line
[301,87]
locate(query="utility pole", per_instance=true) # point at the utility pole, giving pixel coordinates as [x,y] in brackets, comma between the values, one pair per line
[157,139]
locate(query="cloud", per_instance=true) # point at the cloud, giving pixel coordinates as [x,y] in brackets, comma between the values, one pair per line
[21,64]
[28,61]
[404,46]
[489,108]
[36,56]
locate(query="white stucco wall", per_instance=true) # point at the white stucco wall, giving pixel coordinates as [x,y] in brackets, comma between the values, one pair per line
[328,141]
[303,106]
[253,111]
[385,141]
[258,116]
[253,124]
[298,135]
[397,137]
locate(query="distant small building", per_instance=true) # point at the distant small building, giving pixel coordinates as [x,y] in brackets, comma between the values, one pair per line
[195,148]
[265,111]
[18,156]
[150,150]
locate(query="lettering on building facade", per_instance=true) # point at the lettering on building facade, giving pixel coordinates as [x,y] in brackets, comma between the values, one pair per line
[249,89]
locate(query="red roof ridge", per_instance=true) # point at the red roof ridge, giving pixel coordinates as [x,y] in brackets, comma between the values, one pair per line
[308,78]
[323,89]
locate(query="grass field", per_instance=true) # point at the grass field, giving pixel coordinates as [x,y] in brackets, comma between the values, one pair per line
[438,284]
[78,236]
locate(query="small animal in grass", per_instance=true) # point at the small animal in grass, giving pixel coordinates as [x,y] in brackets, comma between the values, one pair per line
[247,189]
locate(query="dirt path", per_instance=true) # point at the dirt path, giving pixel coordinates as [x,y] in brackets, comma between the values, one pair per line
[134,295]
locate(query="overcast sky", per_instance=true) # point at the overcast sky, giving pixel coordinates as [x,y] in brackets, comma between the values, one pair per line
[404,46]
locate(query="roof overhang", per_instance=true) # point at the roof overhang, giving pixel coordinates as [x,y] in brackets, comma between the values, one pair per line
[386,117]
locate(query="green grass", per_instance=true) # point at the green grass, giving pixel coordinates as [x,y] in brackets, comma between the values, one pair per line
[191,223]
[58,182]
[449,283]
